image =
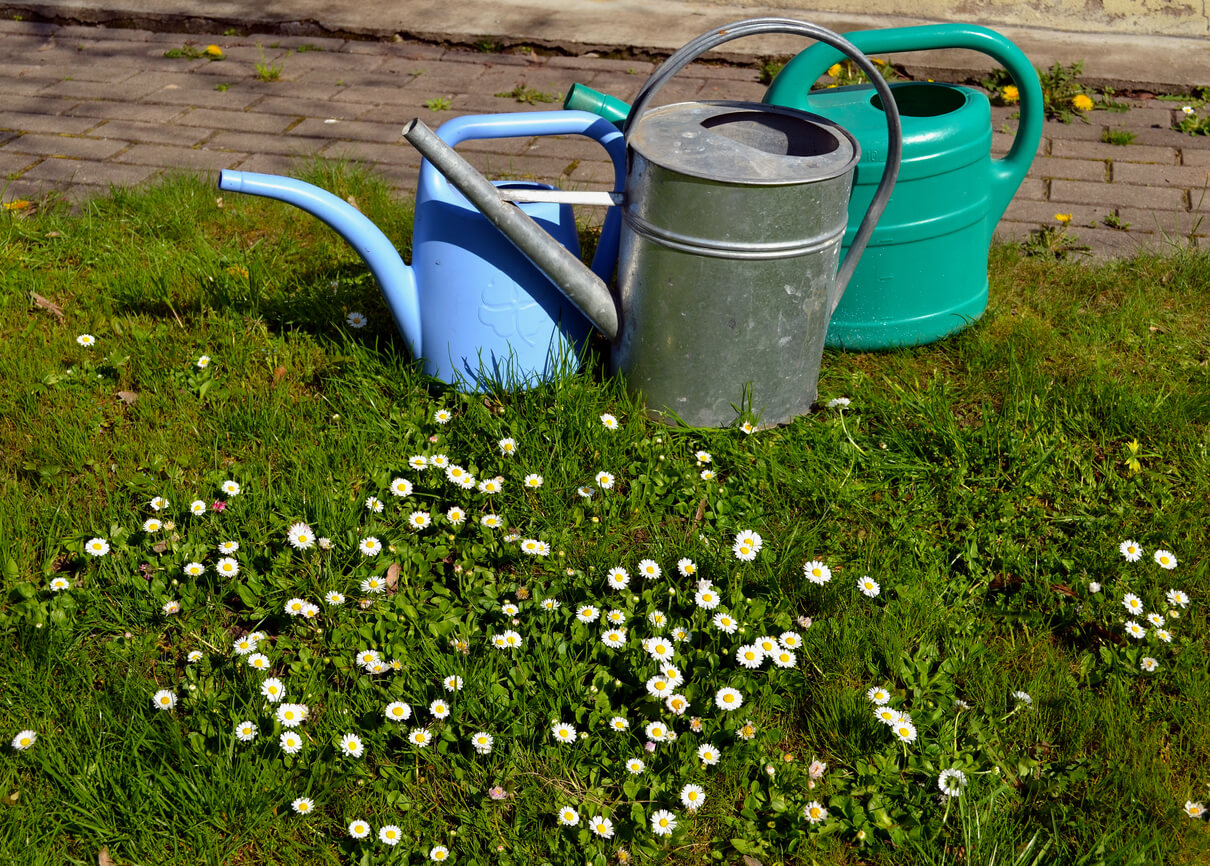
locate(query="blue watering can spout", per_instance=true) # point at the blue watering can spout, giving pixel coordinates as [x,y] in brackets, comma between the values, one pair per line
[397,280]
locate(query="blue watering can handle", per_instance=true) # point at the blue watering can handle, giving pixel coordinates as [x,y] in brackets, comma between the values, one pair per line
[524,124]
[750,26]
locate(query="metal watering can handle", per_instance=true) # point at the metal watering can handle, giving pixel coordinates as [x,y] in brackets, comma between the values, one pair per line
[523,124]
[750,26]
[793,84]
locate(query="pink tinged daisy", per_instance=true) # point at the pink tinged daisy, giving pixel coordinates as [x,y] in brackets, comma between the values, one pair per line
[1130,550]
[245,732]
[1165,559]
[351,746]
[708,754]
[397,711]
[389,834]
[370,546]
[693,797]
[359,829]
[905,732]
[1135,630]
[1148,664]
[24,740]
[170,607]
[814,812]
[601,826]
[303,806]
[816,770]
[96,547]
[420,738]
[663,822]
[163,700]
[817,572]
[568,816]
[728,699]
[563,733]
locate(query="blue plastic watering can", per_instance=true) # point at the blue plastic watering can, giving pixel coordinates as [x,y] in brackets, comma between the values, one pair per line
[475,310]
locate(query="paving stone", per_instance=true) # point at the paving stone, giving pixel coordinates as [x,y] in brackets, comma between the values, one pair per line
[26,121]
[1042,213]
[317,107]
[131,90]
[601,65]
[132,111]
[74,171]
[243,121]
[150,133]
[1160,138]
[1069,169]
[12,164]
[1175,223]
[1101,150]
[1001,142]
[252,142]
[203,95]
[65,145]
[1190,177]
[1195,157]
[1115,194]
[1136,118]
[27,28]
[186,158]
[359,130]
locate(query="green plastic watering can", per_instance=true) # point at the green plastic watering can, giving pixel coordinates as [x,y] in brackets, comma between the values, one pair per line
[924,272]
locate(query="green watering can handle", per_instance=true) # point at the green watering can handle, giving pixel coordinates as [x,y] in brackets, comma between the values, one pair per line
[793,83]
[689,52]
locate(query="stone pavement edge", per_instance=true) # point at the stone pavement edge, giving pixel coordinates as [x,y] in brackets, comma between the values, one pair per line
[90,106]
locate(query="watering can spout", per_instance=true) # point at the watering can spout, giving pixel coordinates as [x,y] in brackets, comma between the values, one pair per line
[571,276]
[397,280]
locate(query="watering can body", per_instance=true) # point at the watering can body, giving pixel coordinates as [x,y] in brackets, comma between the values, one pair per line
[473,309]
[924,273]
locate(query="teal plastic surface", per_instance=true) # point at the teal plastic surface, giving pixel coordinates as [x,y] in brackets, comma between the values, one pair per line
[923,275]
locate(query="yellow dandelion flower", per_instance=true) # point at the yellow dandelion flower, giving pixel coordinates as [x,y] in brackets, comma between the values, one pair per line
[213,51]
[1063,218]
[1081,102]
[1010,94]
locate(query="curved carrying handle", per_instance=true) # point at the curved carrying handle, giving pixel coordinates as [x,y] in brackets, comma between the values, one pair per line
[749,26]
[527,123]
[793,84]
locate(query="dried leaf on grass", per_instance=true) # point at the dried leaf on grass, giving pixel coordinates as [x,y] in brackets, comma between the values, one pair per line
[46,304]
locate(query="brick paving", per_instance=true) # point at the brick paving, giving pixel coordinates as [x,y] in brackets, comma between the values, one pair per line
[90,107]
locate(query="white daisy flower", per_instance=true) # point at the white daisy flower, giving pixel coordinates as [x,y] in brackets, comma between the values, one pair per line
[1165,560]
[725,623]
[604,480]
[1135,630]
[397,711]
[359,829]
[659,649]
[817,572]
[194,656]
[420,738]
[1023,697]
[650,569]
[677,704]
[440,709]
[614,638]
[1177,598]
[418,462]
[878,695]
[783,658]
[663,822]
[86,340]
[1149,664]
[334,598]
[887,715]
[245,732]
[1132,603]
[231,488]
[439,461]
[438,853]
[749,656]
[533,481]
[1194,810]
[659,686]
[442,416]
[370,546]
[351,746]
[904,731]
[197,507]
[707,597]
[693,797]
[194,569]
[563,732]
[24,740]
[164,699]
[568,816]
[152,525]
[601,826]
[634,766]
[657,619]
[657,732]
[508,446]
[482,742]
[686,567]
[491,486]
[258,661]
[300,536]
[295,606]
[952,782]
[790,640]
[868,586]
[290,742]
[419,519]
[356,319]
[96,547]
[303,805]
[158,503]
[1164,635]
[619,723]
[292,715]
[587,613]
[491,521]
[609,422]
[728,699]
[617,578]
[839,402]
[550,604]
[814,812]
[708,754]
[1130,550]
[273,689]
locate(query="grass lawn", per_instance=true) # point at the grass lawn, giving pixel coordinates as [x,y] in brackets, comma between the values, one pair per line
[619,642]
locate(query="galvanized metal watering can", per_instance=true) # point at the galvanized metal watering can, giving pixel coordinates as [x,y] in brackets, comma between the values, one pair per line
[924,273]
[477,311]
[733,213]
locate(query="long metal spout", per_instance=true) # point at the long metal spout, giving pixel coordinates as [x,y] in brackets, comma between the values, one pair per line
[581,286]
[396,279]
